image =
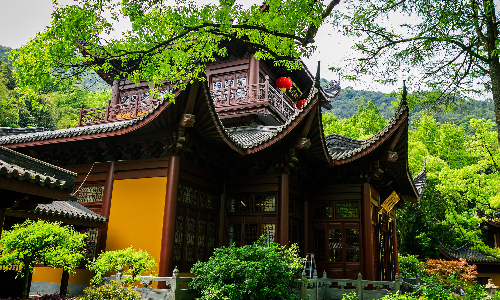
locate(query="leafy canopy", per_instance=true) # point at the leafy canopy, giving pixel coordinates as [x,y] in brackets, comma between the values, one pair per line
[253,271]
[41,242]
[165,43]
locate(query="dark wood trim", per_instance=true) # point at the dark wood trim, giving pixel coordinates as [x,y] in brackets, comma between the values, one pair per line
[70,221]
[284,215]
[397,136]
[192,97]
[222,219]
[2,218]
[307,227]
[395,247]
[307,126]
[367,236]
[169,217]
[106,207]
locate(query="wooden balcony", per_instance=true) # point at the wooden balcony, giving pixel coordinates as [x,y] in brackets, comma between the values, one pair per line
[260,99]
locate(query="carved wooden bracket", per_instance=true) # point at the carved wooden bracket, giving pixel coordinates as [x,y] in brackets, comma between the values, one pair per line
[187,120]
[389,156]
[302,143]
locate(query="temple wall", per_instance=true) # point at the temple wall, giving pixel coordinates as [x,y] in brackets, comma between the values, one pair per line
[494,276]
[136,215]
[48,274]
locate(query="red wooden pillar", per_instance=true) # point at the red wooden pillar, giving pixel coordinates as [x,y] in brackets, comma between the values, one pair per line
[2,218]
[253,70]
[115,94]
[395,248]
[284,209]
[367,236]
[169,215]
[307,226]
[106,206]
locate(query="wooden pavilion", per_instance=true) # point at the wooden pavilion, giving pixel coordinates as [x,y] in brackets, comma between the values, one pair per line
[230,160]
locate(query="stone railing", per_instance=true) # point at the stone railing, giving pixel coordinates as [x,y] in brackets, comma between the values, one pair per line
[259,93]
[178,286]
[326,288]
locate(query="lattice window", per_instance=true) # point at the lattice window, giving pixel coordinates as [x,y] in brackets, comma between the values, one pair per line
[91,243]
[188,195]
[90,193]
[347,210]
[352,245]
[190,239]
[234,233]
[335,245]
[251,233]
[202,232]
[212,233]
[239,204]
[269,232]
[322,210]
[209,200]
[179,238]
[265,203]
[319,244]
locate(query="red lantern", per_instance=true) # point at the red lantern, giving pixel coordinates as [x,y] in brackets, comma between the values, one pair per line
[284,83]
[300,104]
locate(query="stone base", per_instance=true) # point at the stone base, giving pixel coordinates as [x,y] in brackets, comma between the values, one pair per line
[42,288]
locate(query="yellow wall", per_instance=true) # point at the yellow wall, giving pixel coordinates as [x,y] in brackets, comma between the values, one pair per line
[135,219]
[136,215]
[494,276]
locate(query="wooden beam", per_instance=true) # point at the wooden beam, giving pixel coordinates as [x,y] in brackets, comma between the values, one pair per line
[106,207]
[309,120]
[284,204]
[396,138]
[35,189]
[169,216]
[395,246]
[193,92]
[222,219]
[367,236]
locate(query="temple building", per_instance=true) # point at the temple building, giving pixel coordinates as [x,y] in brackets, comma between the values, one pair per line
[232,159]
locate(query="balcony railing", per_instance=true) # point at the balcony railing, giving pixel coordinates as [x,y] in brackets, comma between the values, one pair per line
[238,99]
[134,104]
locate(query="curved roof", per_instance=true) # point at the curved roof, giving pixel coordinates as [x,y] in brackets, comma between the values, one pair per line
[420,180]
[472,256]
[69,209]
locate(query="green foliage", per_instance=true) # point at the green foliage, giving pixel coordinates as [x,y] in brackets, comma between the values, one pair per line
[166,42]
[133,262]
[111,290]
[40,242]
[366,123]
[398,296]
[256,271]
[350,296]
[409,266]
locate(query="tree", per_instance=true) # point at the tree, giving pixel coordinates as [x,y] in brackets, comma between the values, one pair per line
[257,271]
[40,242]
[166,43]
[454,45]
[135,263]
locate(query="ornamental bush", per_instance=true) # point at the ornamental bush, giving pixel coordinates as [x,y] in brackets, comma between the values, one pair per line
[132,262]
[256,271]
[409,266]
[110,291]
[444,270]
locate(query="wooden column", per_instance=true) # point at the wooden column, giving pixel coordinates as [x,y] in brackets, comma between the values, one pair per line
[307,228]
[395,248]
[367,242]
[222,219]
[115,94]
[106,206]
[284,209]
[2,218]
[169,216]
[253,70]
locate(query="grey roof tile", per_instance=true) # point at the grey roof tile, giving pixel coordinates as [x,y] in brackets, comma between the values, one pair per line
[469,254]
[69,209]
[420,180]
[23,167]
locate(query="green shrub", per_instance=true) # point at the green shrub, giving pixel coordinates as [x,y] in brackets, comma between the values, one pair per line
[253,272]
[133,262]
[110,291]
[398,296]
[350,296]
[409,266]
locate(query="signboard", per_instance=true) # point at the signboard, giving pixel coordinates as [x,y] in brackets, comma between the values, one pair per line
[293,93]
[390,202]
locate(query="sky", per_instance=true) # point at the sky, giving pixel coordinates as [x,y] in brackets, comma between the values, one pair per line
[27,17]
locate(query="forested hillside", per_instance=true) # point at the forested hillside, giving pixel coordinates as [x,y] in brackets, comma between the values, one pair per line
[57,107]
